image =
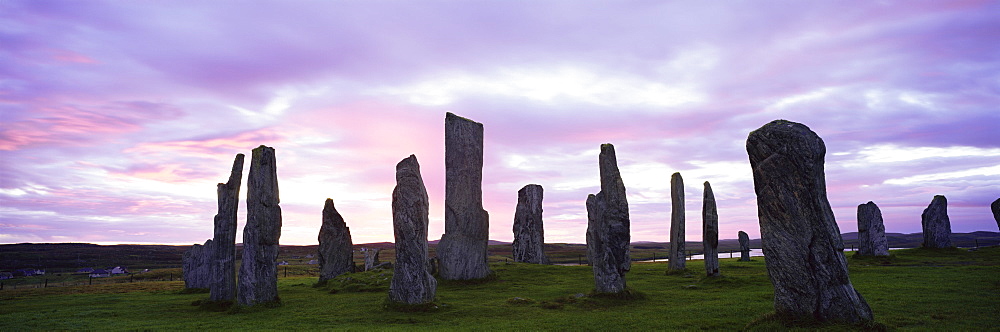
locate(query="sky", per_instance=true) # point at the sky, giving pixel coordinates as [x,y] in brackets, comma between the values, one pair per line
[118,118]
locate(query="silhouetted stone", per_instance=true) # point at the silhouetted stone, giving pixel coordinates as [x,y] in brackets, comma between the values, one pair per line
[871,231]
[744,246]
[529,237]
[608,227]
[996,211]
[463,247]
[412,283]
[936,225]
[336,256]
[710,232]
[222,286]
[197,266]
[677,250]
[258,278]
[371,258]
[803,249]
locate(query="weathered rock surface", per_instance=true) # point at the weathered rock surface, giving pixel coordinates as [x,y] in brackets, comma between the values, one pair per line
[529,237]
[608,227]
[871,231]
[801,240]
[463,247]
[936,225]
[258,278]
[677,248]
[996,211]
[336,255]
[371,258]
[744,246]
[222,286]
[710,232]
[412,283]
[197,266]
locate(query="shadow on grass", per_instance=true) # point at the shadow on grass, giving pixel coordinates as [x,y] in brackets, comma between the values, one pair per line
[774,322]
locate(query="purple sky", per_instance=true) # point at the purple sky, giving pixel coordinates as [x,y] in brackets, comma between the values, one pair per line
[119,117]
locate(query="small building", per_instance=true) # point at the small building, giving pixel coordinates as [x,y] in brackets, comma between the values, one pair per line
[283,263]
[6,275]
[86,270]
[313,262]
[100,273]
[118,270]
[24,272]
[39,272]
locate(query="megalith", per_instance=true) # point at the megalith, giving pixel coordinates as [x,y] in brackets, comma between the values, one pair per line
[677,250]
[258,278]
[336,255]
[371,258]
[744,246]
[802,246]
[222,287]
[463,247]
[710,231]
[608,227]
[412,283]
[197,266]
[871,231]
[936,225]
[529,238]
[996,211]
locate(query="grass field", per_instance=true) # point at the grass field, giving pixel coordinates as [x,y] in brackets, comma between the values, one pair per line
[917,289]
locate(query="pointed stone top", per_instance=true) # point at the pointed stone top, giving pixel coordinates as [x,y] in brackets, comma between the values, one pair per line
[607,146]
[329,202]
[407,163]
[676,175]
[940,197]
[449,116]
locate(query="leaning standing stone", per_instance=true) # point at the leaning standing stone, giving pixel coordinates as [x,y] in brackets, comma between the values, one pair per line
[259,272]
[937,226]
[803,249]
[223,252]
[463,247]
[710,232]
[871,231]
[996,211]
[335,252]
[529,238]
[744,246]
[412,283]
[608,227]
[677,249]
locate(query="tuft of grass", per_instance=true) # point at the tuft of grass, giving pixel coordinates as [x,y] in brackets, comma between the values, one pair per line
[520,300]
[360,282]
[470,282]
[410,308]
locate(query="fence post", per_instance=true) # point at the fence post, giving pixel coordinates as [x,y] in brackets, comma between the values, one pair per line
[977,243]
[91,281]
[171,277]
[286,271]
[46,283]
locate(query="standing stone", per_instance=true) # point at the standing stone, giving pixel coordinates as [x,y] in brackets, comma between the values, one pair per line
[223,284]
[710,232]
[871,231]
[336,256]
[937,226]
[259,272]
[996,211]
[744,246]
[803,249]
[677,250]
[197,266]
[412,283]
[529,238]
[371,258]
[608,227]
[463,247]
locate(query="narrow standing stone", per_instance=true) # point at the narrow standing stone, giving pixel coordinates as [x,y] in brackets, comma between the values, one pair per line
[608,227]
[197,266]
[996,211]
[744,246]
[803,249]
[463,247]
[677,249]
[871,231]
[259,271]
[937,226]
[412,283]
[335,252]
[371,258]
[223,284]
[710,232]
[529,238]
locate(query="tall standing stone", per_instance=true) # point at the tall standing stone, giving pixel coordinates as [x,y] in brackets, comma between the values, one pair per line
[411,283]
[371,258]
[937,226]
[529,238]
[197,266]
[710,231]
[463,247]
[744,246]
[677,249]
[336,255]
[223,284]
[259,271]
[608,227]
[996,211]
[803,249]
[871,231]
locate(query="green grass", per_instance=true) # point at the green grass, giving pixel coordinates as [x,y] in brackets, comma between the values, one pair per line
[913,289]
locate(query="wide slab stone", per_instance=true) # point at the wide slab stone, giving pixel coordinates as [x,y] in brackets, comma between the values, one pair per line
[936,225]
[258,278]
[608,227]
[197,267]
[871,231]
[412,282]
[222,286]
[336,253]
[677,252]
[710,231]
[463,247]
[529,236]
